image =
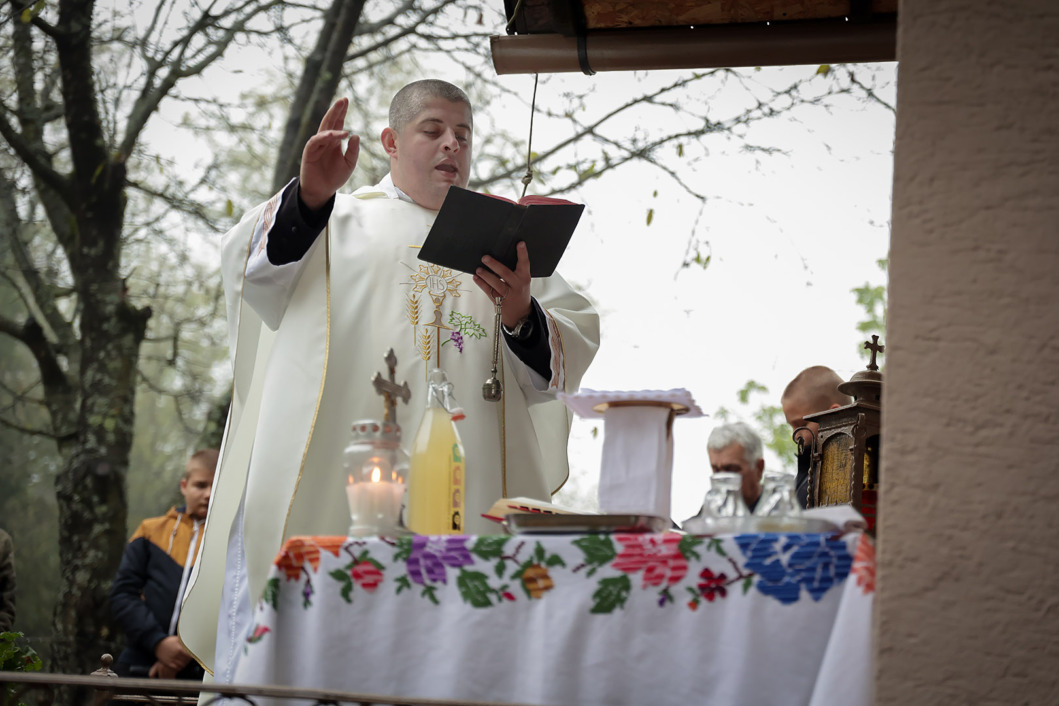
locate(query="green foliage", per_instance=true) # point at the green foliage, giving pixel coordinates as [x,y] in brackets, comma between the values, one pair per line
[872,298]
[14,658]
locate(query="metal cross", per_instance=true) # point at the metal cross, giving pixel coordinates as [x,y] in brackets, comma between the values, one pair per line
[875,347]
[389,389]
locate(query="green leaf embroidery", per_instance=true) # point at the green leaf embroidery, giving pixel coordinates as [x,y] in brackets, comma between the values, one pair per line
[428,592]
[404,549]
[517,576]
[474,588]
[611,594]
[271,593]
[747,583]
[555,560]
[490,547]
[466,325]
[598,550]
[347,589]
[500,566]
[714,545]
[402,584]
[342,576]
[687,547]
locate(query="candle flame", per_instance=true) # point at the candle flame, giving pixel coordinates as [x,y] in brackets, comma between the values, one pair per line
[349,479]
[376,474]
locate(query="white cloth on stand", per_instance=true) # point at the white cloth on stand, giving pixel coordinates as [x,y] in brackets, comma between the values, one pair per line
[636,469]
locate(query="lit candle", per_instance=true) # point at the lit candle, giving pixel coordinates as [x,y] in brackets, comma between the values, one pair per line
[375,506]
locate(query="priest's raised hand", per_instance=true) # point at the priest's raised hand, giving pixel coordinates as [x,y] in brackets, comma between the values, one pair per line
[326,166]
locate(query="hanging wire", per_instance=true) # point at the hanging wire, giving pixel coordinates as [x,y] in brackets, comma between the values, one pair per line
[514,14]
[528,176]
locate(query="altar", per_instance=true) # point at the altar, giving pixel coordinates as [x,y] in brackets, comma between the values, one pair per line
[571,618]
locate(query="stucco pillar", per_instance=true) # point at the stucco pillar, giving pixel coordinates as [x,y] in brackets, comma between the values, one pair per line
[968,544]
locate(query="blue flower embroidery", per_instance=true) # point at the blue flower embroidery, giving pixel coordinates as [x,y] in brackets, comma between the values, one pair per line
[785,563]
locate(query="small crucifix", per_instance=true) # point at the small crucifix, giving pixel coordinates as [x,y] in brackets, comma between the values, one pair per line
[875,347]
[389,389]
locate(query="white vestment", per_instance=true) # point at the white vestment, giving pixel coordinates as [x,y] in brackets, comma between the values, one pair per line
[306,339]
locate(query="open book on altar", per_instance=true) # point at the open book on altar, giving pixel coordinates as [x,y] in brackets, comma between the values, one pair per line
[470,225]
[528,506]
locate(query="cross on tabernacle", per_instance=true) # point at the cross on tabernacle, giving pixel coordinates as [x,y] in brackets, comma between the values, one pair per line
[389,389]
[875,347]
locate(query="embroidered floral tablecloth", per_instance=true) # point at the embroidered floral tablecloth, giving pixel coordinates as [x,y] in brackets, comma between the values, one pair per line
[571,619]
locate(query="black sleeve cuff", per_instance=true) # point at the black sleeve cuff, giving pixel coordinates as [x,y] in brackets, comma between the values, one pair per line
[296,227]
[534,350]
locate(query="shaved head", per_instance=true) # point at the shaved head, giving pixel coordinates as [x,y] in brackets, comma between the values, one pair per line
[813,390]
[817,387]
[410,100]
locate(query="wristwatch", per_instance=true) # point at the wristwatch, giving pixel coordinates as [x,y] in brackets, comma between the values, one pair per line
[523,329]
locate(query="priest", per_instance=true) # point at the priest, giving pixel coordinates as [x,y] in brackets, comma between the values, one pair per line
[319,286]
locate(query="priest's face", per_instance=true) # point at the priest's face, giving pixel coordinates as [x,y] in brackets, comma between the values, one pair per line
[431,152]
[732,459]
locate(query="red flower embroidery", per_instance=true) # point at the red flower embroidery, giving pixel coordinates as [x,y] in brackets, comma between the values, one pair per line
[864,564]
[259,632]
[712,585]
[658,556]
[366,575]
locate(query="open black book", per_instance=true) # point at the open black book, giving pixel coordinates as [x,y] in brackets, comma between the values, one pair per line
[471,225]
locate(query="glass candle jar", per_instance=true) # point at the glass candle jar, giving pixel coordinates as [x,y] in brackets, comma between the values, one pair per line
[376,472]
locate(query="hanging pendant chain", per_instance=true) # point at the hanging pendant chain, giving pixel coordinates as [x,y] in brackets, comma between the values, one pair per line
[493,389]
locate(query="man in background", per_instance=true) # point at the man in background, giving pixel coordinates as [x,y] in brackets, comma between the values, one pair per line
[736,448]
[815,389]
[149,586]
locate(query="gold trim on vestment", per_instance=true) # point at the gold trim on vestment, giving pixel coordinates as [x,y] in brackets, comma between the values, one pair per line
[323,376]
[228,420]
[503,429]
[554,326]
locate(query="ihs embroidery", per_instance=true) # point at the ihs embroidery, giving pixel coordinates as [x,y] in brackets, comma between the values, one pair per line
[429,328]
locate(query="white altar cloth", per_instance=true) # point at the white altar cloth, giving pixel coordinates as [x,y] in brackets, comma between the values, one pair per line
[571,619]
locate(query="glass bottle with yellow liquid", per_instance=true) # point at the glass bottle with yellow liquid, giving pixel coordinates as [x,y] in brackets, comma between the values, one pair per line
[436,472]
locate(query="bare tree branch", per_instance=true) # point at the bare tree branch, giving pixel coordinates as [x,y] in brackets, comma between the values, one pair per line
[152,95]
[319,79]
[27,430]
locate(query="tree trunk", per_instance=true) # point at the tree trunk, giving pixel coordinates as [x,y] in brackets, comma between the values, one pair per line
[91,486]
[316,89]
